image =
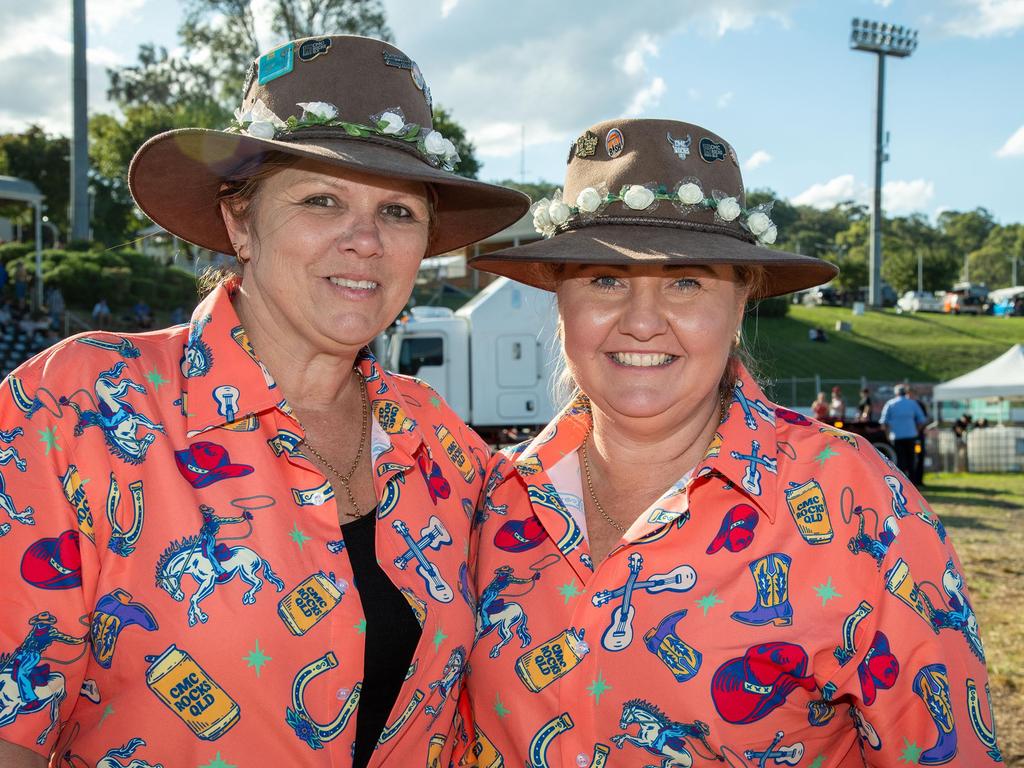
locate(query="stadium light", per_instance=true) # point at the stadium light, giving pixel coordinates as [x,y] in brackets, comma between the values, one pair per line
[882,40]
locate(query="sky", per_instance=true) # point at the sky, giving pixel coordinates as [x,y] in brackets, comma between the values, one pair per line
[776,78]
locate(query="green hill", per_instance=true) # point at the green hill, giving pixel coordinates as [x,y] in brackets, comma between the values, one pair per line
[882,346]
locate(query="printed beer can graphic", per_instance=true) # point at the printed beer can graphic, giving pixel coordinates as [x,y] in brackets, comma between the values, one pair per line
[391,417]
[310,601]
[541,666]
[809,510]
[191,694]
[455,452]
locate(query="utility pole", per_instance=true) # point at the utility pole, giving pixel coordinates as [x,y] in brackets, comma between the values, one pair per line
[80,128]
[882,40]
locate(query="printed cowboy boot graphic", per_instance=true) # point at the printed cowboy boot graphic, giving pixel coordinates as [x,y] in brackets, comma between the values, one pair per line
[932,684]
[771,580]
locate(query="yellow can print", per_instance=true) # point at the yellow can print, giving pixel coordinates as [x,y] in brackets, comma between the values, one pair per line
[455,453]
[541,666]
[180,683]
[391,417]
[809,510]
[303,607]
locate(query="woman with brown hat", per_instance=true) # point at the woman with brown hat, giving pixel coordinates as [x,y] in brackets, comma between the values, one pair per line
[270,531]
[709,577]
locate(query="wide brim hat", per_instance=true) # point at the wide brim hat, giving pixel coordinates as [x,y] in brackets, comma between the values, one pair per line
[650,192]
[53,562]
[204,463]
[367,109]
[747,688]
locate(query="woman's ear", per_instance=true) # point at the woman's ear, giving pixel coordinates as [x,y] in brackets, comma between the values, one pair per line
[238,230]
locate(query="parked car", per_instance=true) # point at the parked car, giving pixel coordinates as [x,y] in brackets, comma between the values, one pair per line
[1006,302]
[918,301]
[821,296]
[963,304]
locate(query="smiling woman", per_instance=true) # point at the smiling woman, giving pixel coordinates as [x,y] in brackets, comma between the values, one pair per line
[282,563]
[740,583]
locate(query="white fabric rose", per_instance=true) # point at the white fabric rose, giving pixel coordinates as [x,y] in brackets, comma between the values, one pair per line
[559,212]
[638,197]
[261,129]
[758,223]
[394,123]
[541,219]
[588,200]
[728,209]
[319,109]
[690,194]
[450,152]
[433,142]
[769,235]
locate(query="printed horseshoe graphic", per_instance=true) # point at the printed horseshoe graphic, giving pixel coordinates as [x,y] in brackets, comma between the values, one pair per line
[391,730]
[542,739]
[986,735]
[331,730]
[122,542]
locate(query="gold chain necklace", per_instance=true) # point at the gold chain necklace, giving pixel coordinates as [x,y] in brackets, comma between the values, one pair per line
[346,479]
[722,406]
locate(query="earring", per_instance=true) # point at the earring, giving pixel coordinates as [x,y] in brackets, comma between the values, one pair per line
[737,339]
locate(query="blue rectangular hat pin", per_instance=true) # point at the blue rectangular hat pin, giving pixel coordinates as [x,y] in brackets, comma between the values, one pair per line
[276,64]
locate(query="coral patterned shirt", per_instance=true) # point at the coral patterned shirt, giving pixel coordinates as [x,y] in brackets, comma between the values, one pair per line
[793,601]
[176,586]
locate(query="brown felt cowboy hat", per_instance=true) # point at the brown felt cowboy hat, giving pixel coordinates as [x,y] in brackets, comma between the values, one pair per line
[354,102]
[653,192]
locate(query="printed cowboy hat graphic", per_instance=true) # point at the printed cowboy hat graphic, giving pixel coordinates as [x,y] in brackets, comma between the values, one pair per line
[53,563]
[205,463]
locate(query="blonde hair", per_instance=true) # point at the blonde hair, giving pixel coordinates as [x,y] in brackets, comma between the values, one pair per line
[753,277]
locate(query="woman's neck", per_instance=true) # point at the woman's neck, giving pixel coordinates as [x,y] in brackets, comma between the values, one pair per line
[665,448]
[309,378]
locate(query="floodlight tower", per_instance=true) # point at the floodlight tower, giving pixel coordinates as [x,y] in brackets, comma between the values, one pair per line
[883,40]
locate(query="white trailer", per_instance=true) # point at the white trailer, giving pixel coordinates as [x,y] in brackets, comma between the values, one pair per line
[492,359]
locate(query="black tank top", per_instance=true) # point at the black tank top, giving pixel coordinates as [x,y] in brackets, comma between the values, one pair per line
[392,634]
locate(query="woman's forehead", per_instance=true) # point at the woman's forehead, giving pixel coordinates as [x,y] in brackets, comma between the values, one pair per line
[722,271]
[316,172]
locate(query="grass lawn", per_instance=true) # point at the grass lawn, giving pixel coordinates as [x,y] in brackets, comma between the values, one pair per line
[883,346]
[984,515]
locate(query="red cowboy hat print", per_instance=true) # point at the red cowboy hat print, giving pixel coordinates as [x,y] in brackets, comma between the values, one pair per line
[747,688]
[53,563]
[737,530]
[878,670]
[520,535]
[205,463]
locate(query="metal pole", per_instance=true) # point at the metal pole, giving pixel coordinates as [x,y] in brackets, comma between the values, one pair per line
[875,266]
[39,254]
[920,280]
[1013,280]
[80,141]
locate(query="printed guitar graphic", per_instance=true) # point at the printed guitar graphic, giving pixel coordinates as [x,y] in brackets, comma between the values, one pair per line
[619,633]
[433,536]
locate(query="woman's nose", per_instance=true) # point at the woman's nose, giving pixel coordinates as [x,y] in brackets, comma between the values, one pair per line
[642,318]
[362,236]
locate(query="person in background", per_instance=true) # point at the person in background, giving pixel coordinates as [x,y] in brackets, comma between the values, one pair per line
[21,279]
[837,406]
[904,419]
[55,303]
[820,407]
[865,408]
[921,449]
[101,313]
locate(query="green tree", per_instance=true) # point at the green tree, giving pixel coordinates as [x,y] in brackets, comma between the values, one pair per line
[992,263]
[968,230]
[468,166]
[903,241]
[44,160]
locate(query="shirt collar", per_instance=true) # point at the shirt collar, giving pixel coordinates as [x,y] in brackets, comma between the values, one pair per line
[750,420]
[223,379]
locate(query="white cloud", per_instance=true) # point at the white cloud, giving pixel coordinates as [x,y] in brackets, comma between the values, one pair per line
[646,98]
[756,160]
[693,94]
[898,197]
[902,197]
[633,63]
[1014,146]
[724,100]
[883,3]
[504,139]
[447,6]
[984,18]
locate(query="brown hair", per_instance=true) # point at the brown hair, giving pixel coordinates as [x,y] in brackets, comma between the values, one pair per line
[239,192]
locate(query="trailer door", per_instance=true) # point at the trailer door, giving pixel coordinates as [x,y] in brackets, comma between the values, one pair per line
[423,357]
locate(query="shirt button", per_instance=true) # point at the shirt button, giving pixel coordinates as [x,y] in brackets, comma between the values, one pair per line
[582,760]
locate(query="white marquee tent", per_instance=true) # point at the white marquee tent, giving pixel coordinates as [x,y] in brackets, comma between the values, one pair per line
[1003,377]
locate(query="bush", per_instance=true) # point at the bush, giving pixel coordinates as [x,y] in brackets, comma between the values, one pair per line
[776,306]
[121,277]
[11,251]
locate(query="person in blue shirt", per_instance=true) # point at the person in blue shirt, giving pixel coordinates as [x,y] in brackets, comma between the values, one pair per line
[904,419]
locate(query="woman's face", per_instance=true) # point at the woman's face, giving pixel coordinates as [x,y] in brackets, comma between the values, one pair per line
[649,341]
[331,255]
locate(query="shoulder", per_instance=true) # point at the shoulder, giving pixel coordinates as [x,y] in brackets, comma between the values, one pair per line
[432,411]
[76,360]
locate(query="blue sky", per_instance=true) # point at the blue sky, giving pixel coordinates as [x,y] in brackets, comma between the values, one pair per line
[777,79]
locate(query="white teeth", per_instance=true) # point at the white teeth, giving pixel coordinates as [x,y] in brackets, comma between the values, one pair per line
[642,360]
[363,285]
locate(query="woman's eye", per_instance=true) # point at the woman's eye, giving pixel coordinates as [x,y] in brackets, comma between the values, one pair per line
[686,283]
[319,201]
[397,211]
[605,282]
